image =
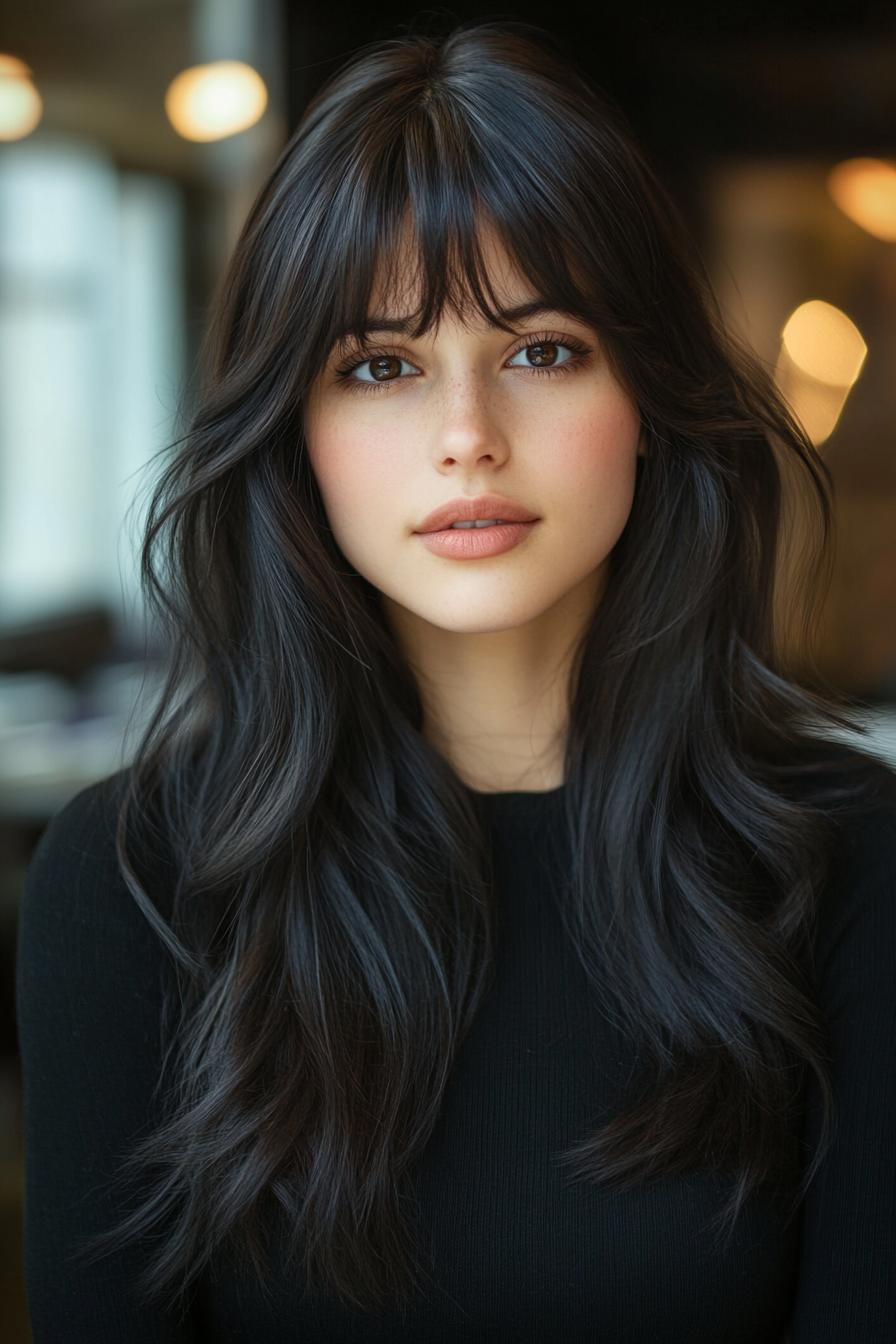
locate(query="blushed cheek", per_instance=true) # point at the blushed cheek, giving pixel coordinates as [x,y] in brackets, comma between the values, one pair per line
[327,452]
[327,465]
[597,453]
[357,480]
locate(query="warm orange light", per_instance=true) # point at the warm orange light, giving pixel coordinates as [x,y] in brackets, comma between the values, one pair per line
[821,356]
[210,102]
[865,190]
[21,106]
[825,343]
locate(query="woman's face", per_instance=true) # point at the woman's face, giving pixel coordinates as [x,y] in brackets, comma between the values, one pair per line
[461,413]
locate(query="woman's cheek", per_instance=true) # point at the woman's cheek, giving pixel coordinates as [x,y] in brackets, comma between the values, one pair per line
[596,452]
[361,478]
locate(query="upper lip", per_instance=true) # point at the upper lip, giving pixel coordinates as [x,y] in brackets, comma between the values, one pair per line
[463,509]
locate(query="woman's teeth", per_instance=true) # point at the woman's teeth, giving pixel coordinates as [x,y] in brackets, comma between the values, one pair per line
[480,522]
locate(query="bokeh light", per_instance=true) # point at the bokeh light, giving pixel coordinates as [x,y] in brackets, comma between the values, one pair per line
[865,190]
[210,102]
[21,106]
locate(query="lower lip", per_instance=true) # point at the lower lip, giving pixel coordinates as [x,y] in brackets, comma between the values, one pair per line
[471,543]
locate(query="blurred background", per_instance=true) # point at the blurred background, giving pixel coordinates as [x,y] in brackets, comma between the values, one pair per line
[133,137]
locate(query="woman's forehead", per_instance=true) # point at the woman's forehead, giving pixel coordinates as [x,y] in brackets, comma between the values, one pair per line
[398,280]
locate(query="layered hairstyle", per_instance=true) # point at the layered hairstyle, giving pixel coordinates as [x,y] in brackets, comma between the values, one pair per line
[328,910]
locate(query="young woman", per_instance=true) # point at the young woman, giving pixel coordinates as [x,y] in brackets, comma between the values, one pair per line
[487,940]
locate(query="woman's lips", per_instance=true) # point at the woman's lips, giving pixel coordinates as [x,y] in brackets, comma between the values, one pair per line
[473,543]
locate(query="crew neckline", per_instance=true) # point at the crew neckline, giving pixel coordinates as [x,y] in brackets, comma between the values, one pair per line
[519,797]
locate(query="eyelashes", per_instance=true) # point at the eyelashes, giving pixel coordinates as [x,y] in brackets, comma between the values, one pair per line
[579,357]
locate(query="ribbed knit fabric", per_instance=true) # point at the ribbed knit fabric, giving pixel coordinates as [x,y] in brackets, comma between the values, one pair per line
[520,1252]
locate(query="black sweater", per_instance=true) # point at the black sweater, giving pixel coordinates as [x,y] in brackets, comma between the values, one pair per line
[521,1254]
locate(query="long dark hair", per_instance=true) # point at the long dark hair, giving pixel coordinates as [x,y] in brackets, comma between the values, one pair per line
[330,920]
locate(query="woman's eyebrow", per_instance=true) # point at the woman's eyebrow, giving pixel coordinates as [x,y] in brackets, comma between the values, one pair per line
[520,312]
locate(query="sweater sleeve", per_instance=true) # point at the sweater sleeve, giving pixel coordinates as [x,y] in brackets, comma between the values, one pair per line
[847,1271]
[88,1008]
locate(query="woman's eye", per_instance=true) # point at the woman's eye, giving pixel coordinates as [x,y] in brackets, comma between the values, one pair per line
[384,365]
[545,354]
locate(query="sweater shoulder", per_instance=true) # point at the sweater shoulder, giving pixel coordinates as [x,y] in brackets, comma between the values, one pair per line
[79,839]
[74,890]
[857,912]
